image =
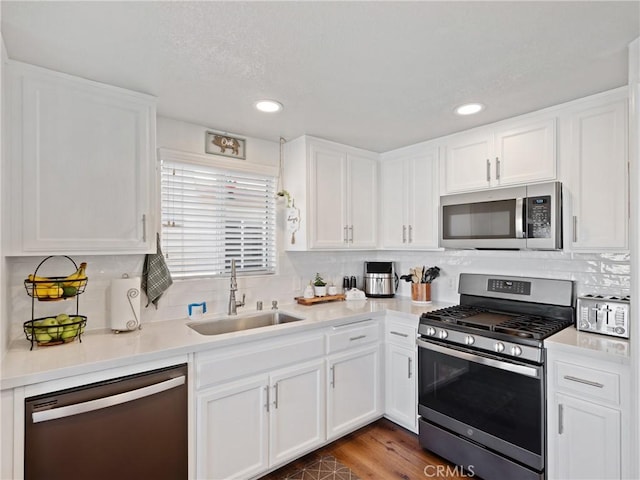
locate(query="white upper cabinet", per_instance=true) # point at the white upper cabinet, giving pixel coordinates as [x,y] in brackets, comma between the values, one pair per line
[334,187]
[597,182]
[81,166]
[509,153]
[409,198]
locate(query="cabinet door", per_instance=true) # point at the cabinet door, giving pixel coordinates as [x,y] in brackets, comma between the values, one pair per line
[353,396]
[86,172]
[467,162]
[525,154]
[599,181]
[394,201]
[588,441]
[328,198]
[232,424]
[297,421]
[363,210]
[424,201]
[401,402]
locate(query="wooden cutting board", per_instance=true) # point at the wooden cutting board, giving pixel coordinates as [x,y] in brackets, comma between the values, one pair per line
[314,300]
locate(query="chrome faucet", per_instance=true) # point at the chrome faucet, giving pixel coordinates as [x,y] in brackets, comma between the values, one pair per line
[233,305]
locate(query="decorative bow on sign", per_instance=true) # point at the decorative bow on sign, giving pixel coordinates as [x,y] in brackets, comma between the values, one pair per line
[421,275]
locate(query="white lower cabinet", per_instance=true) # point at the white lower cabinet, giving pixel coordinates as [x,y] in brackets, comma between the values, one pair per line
[588,440]
[400,390]
[588,416]
[401,384]
[251,425]
[353,392]
[232,426]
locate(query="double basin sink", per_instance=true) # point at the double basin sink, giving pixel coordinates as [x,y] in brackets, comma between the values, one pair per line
[242,322]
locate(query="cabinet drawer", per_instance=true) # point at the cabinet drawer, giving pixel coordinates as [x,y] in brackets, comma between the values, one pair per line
[587,381]
[400,334]
[352,335]
[254,357]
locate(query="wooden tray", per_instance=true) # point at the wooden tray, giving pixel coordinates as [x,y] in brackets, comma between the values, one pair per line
[326,298]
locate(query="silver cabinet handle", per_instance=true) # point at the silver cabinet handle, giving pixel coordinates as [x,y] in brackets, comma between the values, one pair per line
[144,227]
[404,234]
[410,234]
[575,228]
[405,335]
[560,419]
[266,389]
[275,402]
[497,168]
[409,376]
[351,230]
[100,403]
[583,381]
[346,234]
[333,376]
[353,339]
[488,170]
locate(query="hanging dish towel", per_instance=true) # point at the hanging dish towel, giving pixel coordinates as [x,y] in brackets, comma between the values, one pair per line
[156,277]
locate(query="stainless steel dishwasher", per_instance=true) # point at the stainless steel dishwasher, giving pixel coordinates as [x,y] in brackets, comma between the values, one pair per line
[132,427]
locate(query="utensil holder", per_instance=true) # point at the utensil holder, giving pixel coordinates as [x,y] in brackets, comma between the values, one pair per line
[421,292]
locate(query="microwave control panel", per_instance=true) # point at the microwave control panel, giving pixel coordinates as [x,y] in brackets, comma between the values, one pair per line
[539,217]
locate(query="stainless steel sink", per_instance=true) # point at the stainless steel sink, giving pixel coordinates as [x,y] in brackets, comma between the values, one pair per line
[243,322]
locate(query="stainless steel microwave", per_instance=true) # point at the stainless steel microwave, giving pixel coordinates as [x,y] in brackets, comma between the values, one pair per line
[527,217]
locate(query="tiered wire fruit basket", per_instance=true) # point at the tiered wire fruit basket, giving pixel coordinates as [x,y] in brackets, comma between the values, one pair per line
[63,328]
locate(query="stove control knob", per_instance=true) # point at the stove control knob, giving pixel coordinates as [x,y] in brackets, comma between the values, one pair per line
[499,347]
[443,334]
[516,351]
[469,340]
[431,331]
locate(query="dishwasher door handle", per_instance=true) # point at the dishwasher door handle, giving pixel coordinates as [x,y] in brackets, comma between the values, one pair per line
[99,403]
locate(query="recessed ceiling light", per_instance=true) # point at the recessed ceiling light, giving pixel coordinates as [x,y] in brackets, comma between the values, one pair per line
[469,108]
[268,106]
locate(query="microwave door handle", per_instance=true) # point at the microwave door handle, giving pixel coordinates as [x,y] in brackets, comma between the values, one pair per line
[520,218]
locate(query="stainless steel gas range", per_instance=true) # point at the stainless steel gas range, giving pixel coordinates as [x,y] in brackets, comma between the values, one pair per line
[481,384]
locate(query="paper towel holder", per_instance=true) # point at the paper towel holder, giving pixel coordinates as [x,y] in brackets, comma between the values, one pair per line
[131,324]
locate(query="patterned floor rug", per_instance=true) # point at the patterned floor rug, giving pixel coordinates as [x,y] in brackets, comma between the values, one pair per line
[326,468]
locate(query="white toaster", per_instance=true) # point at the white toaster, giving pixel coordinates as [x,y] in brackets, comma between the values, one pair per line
[608,315]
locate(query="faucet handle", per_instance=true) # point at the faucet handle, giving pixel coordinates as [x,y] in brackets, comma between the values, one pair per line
[274,305]
[241,303]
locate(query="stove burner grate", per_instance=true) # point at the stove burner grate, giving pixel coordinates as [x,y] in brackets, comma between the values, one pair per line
[525,326]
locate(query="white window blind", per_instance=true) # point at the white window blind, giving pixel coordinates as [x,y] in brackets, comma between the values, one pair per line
[211,215]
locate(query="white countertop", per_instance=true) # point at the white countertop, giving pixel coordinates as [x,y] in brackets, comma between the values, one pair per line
[100,350]
[597,346]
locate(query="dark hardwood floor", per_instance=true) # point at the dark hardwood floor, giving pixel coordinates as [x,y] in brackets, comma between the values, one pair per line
[381,450]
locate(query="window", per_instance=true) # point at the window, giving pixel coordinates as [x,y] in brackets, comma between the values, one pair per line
[211,215]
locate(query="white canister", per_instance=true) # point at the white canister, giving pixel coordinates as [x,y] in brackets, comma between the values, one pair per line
[308,292]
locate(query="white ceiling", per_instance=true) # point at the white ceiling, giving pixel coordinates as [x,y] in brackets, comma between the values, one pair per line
[377,75]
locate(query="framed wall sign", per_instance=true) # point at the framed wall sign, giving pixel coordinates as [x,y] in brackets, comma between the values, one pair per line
[220,144]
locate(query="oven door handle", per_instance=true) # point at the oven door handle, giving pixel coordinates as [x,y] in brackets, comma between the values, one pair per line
[490,362]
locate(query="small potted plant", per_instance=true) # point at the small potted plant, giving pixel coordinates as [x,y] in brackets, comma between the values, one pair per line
[320,286]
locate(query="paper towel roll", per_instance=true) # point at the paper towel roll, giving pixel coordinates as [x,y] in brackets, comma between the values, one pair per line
[125,304]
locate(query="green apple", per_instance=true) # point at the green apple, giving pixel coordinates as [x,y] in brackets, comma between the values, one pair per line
[52,327]
[63,318]
[43,337]
[68,334]
[80,325]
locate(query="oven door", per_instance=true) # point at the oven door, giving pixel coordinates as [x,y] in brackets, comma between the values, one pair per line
[488,400]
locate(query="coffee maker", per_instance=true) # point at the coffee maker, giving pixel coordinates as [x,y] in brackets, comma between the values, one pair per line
[380,279]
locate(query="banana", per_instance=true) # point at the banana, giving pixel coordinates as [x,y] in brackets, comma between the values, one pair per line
[76,279]
[40,281]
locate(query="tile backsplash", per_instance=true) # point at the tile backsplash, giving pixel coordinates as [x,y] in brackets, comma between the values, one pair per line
[607,273]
